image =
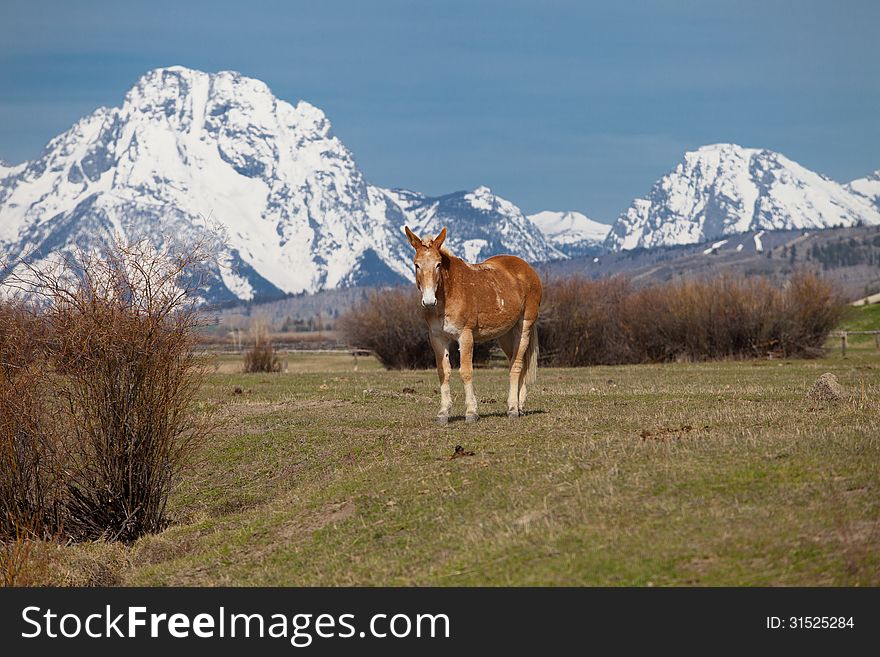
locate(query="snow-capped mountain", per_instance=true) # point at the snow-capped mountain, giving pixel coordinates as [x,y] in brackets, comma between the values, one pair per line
[724,189]
[868,187]
[485,224]
[187,151]
[573,233]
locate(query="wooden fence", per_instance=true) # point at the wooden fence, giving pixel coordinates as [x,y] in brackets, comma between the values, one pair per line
[844,339]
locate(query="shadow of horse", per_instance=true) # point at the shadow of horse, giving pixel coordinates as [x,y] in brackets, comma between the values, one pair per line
[461,418]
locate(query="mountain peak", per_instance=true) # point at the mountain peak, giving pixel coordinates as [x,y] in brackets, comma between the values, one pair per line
[483,199]
[189,150]
[867,188]
[722,189]
[573,233]
[480,224]
[871,176]
[724,146]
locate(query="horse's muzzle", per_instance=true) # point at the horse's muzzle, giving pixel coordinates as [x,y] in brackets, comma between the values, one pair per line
[429,304]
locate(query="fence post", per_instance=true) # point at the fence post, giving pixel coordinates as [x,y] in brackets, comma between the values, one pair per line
[877,341]
[843,344]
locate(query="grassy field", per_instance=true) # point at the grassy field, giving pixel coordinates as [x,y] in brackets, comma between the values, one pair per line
[862,318]
[708,474]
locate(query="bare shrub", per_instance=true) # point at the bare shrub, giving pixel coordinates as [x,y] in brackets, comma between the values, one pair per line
[698,320]
[582,323]
[30,443]
[261,357]
[812,309]
[586,322]
[123,375]
[390,324]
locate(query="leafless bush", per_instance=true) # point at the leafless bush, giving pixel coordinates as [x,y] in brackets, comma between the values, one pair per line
[607,322]
[119,362]
[582,322]
[812,309]
[30,442]
[390,324]
[261,357]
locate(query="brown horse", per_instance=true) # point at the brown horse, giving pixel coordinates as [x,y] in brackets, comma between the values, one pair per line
[495,299]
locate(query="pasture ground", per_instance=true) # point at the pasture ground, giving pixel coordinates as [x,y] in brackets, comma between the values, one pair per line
[717,473]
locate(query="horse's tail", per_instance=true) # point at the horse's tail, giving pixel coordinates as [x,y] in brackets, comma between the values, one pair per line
[530,359]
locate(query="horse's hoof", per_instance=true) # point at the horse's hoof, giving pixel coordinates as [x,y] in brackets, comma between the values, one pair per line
[442,419]
[513,413]
[471,418]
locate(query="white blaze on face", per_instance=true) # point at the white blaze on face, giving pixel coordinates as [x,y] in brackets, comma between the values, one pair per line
[428,277]
[429,295]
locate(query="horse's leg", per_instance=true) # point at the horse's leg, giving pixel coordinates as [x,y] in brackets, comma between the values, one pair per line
[444,369]
[517,382]
[509,342]
[466,347]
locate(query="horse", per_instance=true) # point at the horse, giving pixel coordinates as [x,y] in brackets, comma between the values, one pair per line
[498,298]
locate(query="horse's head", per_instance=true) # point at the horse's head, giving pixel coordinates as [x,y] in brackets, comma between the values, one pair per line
[428,261]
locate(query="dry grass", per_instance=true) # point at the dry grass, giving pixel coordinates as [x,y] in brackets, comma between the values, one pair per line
[261,356]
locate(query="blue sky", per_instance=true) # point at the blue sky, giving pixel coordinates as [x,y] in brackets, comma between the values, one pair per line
[555,105]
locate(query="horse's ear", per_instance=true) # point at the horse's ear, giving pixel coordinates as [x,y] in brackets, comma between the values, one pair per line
[438,241]
[413,238]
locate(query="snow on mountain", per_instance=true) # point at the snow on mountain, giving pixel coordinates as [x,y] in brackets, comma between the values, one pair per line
[724,189]
[573,233]
[480,224]
[867,187]
[188,151]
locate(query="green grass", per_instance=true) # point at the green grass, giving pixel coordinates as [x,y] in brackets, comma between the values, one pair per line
[710,474]
[862,318]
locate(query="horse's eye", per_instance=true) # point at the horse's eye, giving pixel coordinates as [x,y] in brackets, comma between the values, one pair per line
[417,267]
[437,266]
